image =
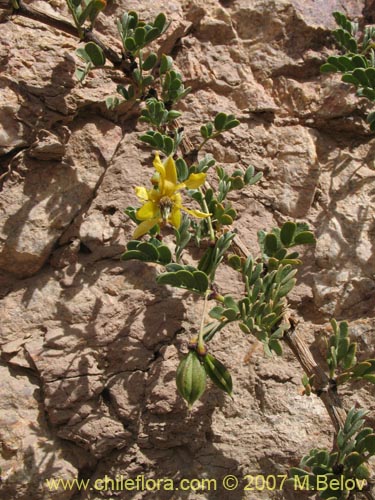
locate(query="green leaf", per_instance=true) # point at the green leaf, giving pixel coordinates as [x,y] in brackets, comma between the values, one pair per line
[231,124]
[173,115]
[248,174]
[304,238]
[226,220]
[148,139]
[130,44]
[353,460]
[255,179]
[342,348]
[134,255]
[359,61]
[346,62]
[147,252]
[165,255]
[147,80]
[362,434]
[132,19]
[369,93]
[361,76]
[150,61]
[270,244]
[287,233]
[204,132]
[80,74]
[218,373]
[191,378]
[152,34]
[87,11]
[127,93]
[236,183]
[347,78]
[336,62]
[275,346]
[112,103]
[81,52]
[160,22]
[244,328]
[361,368]
[235,262]
[366,444]
[230,314]
[285,289]
[328,68]
[139,36]
[184,277]
[168,145]
[362,472]
[201,281]
[95,53]
[159,140]
[182,169]
[370,73]
[217,313]
[219,121]
[166,64]
[230,302]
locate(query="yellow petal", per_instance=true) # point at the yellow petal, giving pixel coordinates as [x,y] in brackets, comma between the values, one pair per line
[195,180]
[176,200]
[148,211]
[142,193]
[175,217]
[159,167]
[144,227]
[170,170]
[196,213]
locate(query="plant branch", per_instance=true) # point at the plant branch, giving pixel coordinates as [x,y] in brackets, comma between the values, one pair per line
[200,345]
[326,391]
[66,27]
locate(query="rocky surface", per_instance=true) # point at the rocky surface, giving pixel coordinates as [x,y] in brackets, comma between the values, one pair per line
[90,344]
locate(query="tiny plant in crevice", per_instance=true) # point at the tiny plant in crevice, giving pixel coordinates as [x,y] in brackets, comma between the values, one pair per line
[186,204]
[344,470]
[357,61]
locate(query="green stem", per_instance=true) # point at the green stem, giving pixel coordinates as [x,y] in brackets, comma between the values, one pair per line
[209,220]
[213,136]
[200,345]
[75,19]
[141,70]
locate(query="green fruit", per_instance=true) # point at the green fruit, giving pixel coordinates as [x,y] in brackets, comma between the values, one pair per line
[191,378]
[217,372]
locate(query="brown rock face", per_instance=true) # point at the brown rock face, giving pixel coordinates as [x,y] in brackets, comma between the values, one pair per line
[90,344]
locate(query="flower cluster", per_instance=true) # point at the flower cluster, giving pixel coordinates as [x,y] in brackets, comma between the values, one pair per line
[163,203]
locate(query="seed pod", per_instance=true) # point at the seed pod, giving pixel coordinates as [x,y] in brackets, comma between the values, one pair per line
[217,372]
[191,378]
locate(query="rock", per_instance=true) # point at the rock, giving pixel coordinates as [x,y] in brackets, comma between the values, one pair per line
[97,433]
[38,209]
[90,344]
[30,454]
[49,146]
[294,171]
[12,130]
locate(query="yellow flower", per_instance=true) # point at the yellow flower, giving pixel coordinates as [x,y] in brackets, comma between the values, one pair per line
[164,204]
